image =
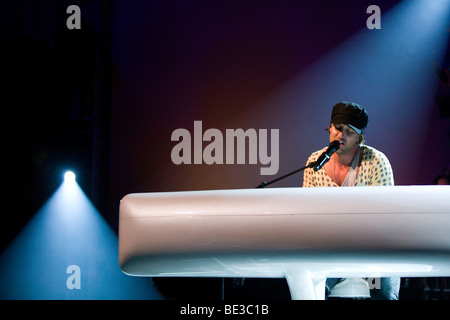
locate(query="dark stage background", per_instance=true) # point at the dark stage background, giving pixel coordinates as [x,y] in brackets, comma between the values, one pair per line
[104,100]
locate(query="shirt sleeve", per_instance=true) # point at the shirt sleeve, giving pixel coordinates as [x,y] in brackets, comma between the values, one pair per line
[308,180]
[308,174]
[382,174]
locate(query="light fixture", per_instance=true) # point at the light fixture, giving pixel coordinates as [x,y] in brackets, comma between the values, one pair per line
[69,176]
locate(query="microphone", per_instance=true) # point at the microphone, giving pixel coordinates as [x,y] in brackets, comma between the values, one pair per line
[324,157]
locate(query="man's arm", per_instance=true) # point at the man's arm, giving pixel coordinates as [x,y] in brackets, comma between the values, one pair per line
[382,174]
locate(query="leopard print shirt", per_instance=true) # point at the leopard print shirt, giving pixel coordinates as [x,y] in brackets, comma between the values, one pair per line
[374,170]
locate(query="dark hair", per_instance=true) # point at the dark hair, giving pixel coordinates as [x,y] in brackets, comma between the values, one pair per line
[443,175]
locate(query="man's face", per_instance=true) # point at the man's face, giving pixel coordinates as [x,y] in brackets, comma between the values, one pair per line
[345,135]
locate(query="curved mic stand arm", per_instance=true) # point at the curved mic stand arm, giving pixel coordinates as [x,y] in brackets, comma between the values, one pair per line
[263,184]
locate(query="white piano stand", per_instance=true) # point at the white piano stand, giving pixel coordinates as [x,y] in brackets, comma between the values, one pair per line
[303,234]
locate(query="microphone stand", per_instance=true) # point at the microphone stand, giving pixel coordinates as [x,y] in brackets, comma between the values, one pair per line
[263,184]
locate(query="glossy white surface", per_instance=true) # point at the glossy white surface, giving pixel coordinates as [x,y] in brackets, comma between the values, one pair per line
[303,234]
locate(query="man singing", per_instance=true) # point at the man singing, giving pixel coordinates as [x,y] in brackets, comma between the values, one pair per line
[353,164]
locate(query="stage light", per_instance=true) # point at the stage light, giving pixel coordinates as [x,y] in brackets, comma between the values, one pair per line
[69,176]
[67,251]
